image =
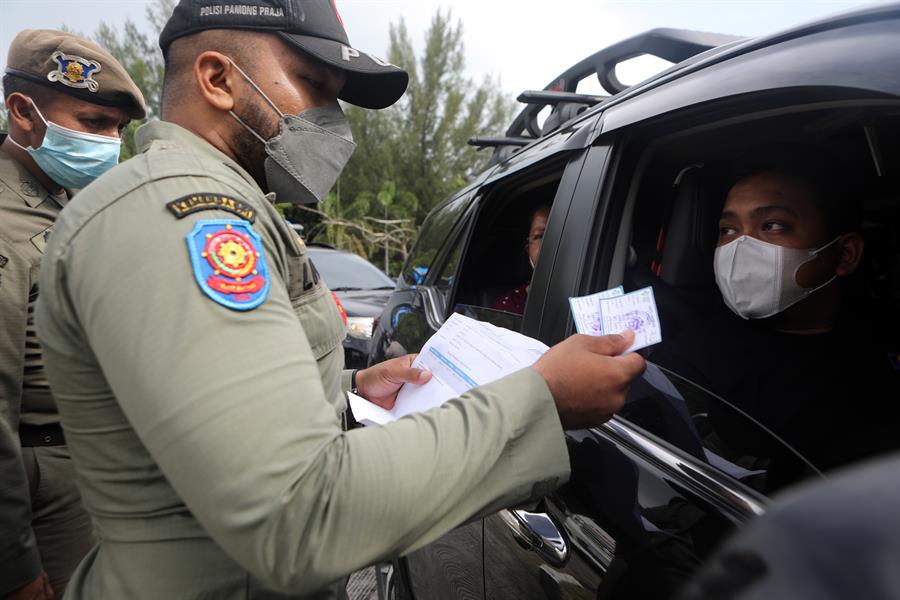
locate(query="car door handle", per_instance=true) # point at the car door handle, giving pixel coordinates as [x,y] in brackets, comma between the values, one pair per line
[538,532]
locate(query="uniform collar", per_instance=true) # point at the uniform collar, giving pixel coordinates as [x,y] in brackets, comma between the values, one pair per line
[17,179]
[169,135]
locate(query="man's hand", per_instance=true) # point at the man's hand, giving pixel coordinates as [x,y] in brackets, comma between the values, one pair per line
[587,378]
[39,589]
[380,383]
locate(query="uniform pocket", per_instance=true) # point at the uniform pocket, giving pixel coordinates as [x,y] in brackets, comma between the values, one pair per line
[314,306]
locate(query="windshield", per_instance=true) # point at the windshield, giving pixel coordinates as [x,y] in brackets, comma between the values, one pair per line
[347,271]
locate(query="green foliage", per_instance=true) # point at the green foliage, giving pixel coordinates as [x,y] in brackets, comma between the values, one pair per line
[139,53]
[414,154]
[408,158]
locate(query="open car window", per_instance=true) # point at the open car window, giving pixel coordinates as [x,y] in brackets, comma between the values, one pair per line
[782,404]
[499,318]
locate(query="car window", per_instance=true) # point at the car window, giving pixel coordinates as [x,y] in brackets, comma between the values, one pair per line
[347,271]
[431,238]
[496,270]
[444,281]
[810,378]
[498,318]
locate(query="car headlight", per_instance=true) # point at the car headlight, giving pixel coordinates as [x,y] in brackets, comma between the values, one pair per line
[361,325]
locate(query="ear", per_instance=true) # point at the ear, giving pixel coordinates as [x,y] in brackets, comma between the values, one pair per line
[216,77]
[22,114]
[851,246]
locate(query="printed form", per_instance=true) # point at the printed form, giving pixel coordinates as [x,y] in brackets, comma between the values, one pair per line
[464,353]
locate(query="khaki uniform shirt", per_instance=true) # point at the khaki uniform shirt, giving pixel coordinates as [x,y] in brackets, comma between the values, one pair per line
[27,214]
[208,440]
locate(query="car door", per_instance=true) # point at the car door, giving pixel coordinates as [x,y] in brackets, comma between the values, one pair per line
[647,501]
[418,306]
[650,493]
[452,567]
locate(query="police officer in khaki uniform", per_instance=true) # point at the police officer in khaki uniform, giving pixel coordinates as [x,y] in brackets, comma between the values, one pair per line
[67,102]
[201,352]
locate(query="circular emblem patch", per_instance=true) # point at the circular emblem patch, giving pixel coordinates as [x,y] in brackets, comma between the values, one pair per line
[228,263]
[231,254]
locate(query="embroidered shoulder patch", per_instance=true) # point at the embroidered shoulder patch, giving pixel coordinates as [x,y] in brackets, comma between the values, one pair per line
[229,262]
[192,203]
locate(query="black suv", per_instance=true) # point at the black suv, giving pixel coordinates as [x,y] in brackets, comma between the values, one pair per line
[636,182]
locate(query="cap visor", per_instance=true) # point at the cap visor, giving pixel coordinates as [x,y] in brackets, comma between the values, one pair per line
[370,84]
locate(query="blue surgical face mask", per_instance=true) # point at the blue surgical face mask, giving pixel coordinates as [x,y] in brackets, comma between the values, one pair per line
[72,158]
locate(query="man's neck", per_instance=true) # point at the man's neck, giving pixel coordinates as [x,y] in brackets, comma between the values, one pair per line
[23,158]
[218,137]
[814,315]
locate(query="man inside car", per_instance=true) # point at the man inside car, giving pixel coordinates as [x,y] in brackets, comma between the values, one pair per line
[808,355]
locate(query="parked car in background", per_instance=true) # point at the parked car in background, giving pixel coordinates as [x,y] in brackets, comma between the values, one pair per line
[635,179]
[363,290]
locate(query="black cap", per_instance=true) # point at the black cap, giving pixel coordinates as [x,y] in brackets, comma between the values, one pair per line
[313,26]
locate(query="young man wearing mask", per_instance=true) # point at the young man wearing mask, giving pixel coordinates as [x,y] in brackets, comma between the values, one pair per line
[794,349]
[206,418]
[67,101]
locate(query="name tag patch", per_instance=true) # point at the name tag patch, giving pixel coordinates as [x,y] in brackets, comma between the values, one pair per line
[229,262]
[192,203]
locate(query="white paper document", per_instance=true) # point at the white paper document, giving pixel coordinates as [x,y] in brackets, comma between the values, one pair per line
[613,311]
[464,353]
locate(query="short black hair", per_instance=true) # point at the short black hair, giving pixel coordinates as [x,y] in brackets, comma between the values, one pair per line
[828,177]
[14,84]
[239,45]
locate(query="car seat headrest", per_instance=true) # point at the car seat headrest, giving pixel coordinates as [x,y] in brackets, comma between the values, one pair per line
[691,232]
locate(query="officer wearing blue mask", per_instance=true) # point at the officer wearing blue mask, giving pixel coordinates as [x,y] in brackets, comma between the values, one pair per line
[67,101]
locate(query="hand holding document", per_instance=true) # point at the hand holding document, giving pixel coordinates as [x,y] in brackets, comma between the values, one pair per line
[613,311]
[464,353]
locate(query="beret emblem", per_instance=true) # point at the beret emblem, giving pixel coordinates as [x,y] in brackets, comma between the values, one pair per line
[75,71]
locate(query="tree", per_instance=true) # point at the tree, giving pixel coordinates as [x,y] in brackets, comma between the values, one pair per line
[409,157]
[414,154]
[441,111]
[140,55]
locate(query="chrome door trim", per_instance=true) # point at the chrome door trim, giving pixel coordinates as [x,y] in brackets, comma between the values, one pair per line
[732,498]
[553,548]
[433,305]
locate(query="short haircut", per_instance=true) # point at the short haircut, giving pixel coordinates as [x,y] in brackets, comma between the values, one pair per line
[827,177]
[14,84]
[239,45]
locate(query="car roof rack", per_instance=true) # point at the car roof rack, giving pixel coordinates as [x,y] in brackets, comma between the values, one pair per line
[553,97]
[497,141]
[673,45]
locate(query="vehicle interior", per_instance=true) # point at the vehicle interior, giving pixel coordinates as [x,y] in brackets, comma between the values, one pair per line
[677,192]
[496,259]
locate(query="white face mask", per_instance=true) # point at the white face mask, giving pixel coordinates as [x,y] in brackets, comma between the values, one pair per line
[758,279]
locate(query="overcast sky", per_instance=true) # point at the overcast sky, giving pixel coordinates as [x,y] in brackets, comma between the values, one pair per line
[523,42]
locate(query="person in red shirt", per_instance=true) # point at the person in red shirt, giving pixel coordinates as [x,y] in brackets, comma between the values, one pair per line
[514,300]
